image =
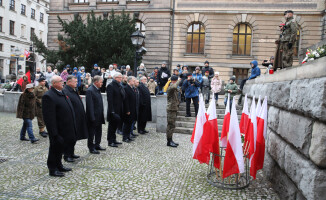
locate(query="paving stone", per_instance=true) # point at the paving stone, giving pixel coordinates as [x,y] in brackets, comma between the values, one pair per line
[144,169]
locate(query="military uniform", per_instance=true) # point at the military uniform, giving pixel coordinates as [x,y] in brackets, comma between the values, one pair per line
[39,92]
[172,108]
[288,38]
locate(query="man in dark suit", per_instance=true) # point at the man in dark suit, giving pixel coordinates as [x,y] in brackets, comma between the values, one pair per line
[59,118]
[130,110]
[144,106]
[81,123]
[115,97]
[95,115]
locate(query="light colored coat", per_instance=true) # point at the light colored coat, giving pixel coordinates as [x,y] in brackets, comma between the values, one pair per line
[216,85]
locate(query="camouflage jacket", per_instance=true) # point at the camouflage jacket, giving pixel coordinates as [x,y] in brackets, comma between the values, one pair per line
[39,92]
[173,96]
[290,31]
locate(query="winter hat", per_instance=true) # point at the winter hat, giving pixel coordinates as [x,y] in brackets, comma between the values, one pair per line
[206,62]
[128,67]
[232,78]
[75,68]
[151,77]
[110,66]
[217,73]
[164,62]
[82,68]
[95,65]
[174,78]
[155,67]
[197,68]
[68,66]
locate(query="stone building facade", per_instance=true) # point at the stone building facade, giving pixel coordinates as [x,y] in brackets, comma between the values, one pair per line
[18,20]
[188,32]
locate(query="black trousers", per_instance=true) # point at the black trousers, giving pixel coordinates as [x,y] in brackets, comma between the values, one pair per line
[127,123]
[141,125]
[94,131]
[55,155]
[196,105]
[113,125]
[243,83]
[69,149]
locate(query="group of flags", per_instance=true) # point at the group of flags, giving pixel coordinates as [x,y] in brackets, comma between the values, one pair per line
[253,127]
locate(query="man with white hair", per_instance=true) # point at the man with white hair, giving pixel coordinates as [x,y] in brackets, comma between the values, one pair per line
[109,75]
[59,118]
[128,71]
[115,97]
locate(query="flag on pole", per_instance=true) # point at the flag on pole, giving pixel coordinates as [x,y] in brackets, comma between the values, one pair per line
[258,106]
[226,124]
[20,81]
[233,161]
[26,53]
[257,162]
[244,116]
[194,130]
[201,120]
[252,130]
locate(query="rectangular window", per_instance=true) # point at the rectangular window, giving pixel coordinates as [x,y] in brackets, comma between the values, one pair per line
[11,27]
[109,0]
[12,48]
[23,10]
[12,5]
[1,47]
[0,24]
[41,17]
[80,1]
[32,33]
[33,13]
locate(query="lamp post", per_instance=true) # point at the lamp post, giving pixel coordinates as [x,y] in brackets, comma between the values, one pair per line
[137,39]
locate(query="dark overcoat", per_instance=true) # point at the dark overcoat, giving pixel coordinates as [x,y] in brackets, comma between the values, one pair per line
[81,122]
[115,96]
[129,103]
[94,106]
[59,115]
[26,105]
[145,108]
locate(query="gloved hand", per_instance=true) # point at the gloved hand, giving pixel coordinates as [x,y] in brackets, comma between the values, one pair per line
[290,45]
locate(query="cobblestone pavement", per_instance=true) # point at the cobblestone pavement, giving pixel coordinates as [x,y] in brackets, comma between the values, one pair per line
[144,169]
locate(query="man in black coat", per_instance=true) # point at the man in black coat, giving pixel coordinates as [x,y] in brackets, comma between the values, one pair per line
[96,71]
[144,106]
[59,118]
[207,68]
[129,109]
[95,115]
[81,123]
[115,97]
[163,76]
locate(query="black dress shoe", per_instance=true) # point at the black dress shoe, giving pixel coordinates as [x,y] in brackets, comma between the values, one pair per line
[135,135]
[34,140]
[142,132]
[119,132]
[64,169]
[116,142]
[126,140]
[57,173]
[68,159]
[132,137]
[94,151]
[146,131]
[171,144]
[75,156]
[100,148]
[188,115]
[44,134]
[113,144]
[24,139]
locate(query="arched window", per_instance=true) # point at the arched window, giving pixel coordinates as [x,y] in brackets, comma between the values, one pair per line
[196,38]
[296,46]
[242,40]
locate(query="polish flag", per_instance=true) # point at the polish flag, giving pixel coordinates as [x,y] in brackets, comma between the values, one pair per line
[257,161]
[252,130]
[226,124]
[20,81]
[201,120]
[258,106]
[26,53]
[194,130]
[233,161]
[244,116]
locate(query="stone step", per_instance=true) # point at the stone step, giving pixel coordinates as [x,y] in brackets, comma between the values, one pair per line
[218,112]
[183,130]
[193,119]
[192,124]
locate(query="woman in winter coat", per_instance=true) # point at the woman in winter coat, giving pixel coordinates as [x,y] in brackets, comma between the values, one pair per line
[216,85]
[26,111]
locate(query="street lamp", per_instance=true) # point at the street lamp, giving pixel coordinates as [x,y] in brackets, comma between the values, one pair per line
[137,39]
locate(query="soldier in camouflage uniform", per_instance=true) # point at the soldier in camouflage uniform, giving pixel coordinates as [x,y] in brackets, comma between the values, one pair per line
[288,39]
[39,92]
[172,109]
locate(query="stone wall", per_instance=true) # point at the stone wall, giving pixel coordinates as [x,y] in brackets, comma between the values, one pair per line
[9,102]
[295,156]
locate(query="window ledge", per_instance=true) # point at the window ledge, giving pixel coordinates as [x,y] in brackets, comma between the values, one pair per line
[138,2]
[114,2]
[194,55]
[241,57]
[13,11]
[23,15]
[79,4]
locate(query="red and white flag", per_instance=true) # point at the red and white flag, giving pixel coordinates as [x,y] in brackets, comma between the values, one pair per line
[201,120]
[244,116]
[233,161]
[26,53]
[226,124]
[194,129]
[252,129]
[258,106]
[257,161]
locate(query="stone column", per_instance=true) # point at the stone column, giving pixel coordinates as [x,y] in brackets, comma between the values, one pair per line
[161,122]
